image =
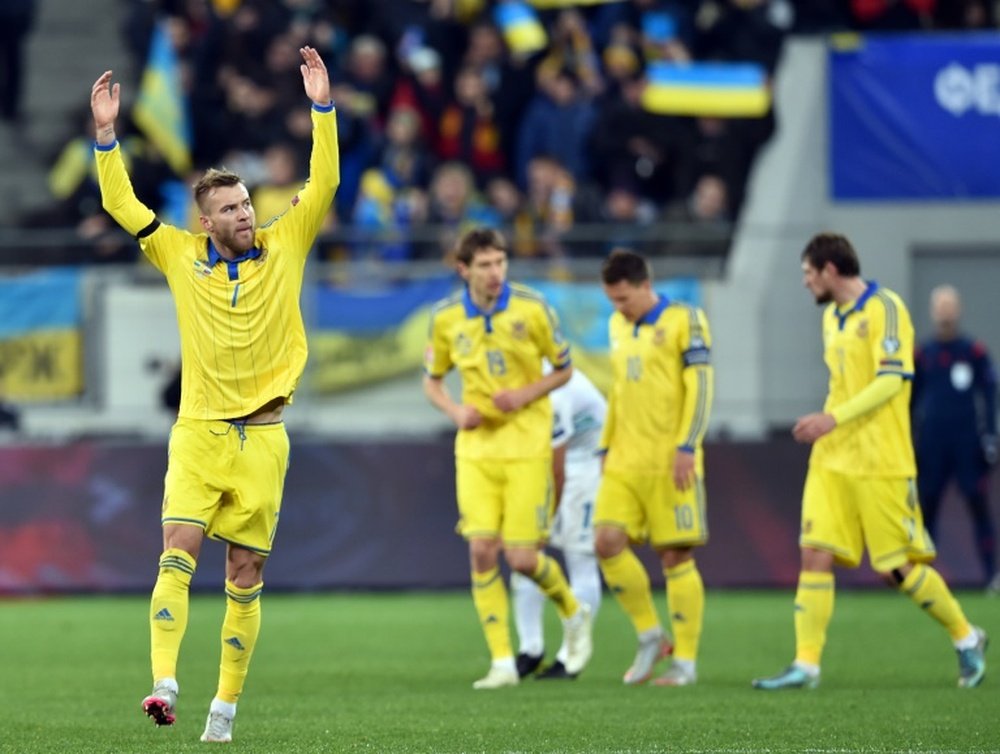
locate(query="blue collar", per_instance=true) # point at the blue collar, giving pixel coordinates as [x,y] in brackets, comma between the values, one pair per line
[650,317]
[858,305]
[471,310]
[214,257]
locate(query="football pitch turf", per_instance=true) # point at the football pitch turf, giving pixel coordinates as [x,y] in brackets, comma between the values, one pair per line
[393,673]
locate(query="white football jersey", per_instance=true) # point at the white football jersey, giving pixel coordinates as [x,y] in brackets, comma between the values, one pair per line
[578,410]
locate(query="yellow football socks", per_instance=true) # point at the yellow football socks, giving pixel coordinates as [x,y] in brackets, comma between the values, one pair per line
[239,635]
[168,611]
[489,594]
[925,586]
[552,581]
[628,581]
[686,603]
[813,611]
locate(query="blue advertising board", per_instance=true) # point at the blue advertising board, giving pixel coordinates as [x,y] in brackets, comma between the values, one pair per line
[915,117]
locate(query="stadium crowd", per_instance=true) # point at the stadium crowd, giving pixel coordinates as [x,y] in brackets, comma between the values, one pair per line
[445,121]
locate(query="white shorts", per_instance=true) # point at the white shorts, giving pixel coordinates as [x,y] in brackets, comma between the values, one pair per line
[573,526]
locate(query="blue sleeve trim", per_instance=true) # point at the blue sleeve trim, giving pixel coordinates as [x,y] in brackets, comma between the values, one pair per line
[601,452]
[567,363]
[323,108]
[904,375]
[686,448]
[105,147]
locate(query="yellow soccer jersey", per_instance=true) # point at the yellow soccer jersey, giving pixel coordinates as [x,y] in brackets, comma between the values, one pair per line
[242,338]
[497,351]
[662,391]
[862,340]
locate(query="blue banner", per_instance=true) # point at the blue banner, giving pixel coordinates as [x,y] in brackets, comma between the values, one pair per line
[915,117]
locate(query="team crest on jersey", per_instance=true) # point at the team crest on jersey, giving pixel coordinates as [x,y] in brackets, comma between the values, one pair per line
[201,268]
[519,330]
[890,345]
[659,336]
[863,328]
[462,344]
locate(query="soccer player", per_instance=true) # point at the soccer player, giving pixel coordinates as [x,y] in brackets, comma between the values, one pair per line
[653,489]
[954,410]
[497,334]
[243,347]
[579,410]
[860,490]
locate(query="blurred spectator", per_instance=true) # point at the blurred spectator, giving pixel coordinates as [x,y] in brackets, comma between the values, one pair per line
[551,200]
[571,51]
[423,91]
[965,14]
[515,217]
[455,206]
[556,123]
[16,19]
[893,14]
[706,209]
[469,132]
[745,31]
[367,82]
[632,145]
[282,179]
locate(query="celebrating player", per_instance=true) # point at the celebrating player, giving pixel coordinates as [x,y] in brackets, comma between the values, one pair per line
[243,347]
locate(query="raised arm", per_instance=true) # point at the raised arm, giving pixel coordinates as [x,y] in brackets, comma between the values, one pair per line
[315,78]
[105,102]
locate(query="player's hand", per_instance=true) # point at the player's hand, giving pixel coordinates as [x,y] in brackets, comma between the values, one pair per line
[991,450]
[467,417]
[105,101]
[315,77]
[683,469]
[811,427]
[509,400]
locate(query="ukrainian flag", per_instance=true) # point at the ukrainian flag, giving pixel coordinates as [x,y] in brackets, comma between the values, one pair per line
[723,90]
[161,110]
[41,354]
[520,26]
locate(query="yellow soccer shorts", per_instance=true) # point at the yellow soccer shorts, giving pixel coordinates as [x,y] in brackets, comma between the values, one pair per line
[842,514]
[650,508]
[228,479]
[511,498]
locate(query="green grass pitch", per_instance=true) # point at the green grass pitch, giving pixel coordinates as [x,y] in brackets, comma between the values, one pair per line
[393,673]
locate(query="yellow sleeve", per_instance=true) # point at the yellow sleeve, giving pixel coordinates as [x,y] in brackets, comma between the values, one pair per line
[117,195]
[873,395]
[298,226]
[890,335]
[551,341]
[698,378]
[437,355]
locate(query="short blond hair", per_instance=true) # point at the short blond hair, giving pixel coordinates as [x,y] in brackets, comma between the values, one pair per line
[213,179]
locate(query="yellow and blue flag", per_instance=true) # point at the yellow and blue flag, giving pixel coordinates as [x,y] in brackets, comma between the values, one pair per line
[40,336]
[520,26]
[161,110]
[722,90]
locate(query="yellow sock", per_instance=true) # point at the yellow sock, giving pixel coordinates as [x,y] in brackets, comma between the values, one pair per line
[628,581]
[813,611]
[168,611]
[686,604]
[925,586]
[239,636]
[489,594]
[552,581]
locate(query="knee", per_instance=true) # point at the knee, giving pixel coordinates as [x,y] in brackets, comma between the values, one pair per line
[675,556]
[522,560]
[894,579]
[483,554]
[244,569]
[816,560]
[609,542]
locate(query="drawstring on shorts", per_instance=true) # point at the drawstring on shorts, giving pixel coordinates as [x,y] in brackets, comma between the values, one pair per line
[241,427]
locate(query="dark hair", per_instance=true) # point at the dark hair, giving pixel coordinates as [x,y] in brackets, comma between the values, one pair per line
[835,249]
[624,264]
[478,239]
[213,179]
